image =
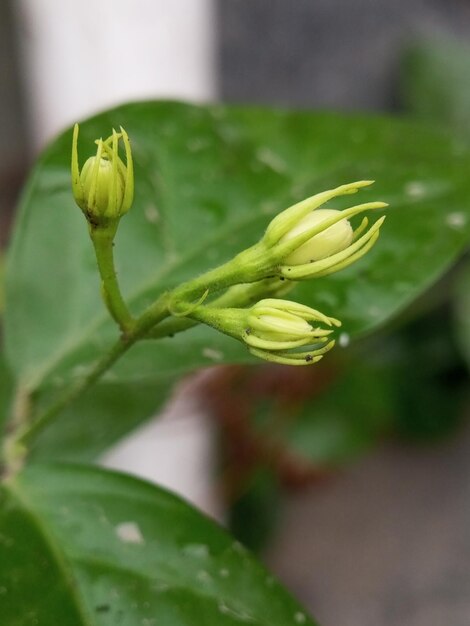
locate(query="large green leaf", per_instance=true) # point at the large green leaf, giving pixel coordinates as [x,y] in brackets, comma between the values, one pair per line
[208,179]
[434,83]
[98,419]
[85,547]
[435,87]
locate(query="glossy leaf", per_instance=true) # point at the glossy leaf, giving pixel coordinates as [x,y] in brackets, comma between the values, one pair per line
[434,83]
[435,87]
[98,419]
[208,180]
[86,547]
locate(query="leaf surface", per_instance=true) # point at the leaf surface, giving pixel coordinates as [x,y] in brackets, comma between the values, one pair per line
[208,180]
[87,547]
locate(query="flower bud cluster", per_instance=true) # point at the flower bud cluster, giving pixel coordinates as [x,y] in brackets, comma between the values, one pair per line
[302,242]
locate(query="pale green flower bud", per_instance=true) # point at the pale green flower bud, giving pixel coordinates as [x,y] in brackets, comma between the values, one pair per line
[304,242]
[104,189]
[327,242]
[274,324]
[273,329]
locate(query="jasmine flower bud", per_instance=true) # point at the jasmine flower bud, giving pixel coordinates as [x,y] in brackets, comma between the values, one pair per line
[327,242]
[305,243]
[273,329]
[104,189]
[275,324]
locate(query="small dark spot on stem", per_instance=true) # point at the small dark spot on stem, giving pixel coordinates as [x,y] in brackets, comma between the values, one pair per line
[248,331]
[309,358]
[102,608]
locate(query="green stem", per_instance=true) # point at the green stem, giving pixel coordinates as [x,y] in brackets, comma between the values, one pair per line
[103,239]
[236,296]
[230,275]
[13,452]
[152,316]
[248,267]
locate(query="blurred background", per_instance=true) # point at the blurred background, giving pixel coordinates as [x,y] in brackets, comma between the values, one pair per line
[368,526]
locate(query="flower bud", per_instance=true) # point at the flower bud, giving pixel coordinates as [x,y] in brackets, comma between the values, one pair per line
[273,329]
[104,189]
[274,324]
[304,242]
[329,241]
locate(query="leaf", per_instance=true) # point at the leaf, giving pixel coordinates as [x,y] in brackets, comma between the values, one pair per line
[86,547]
[435,87]
[98,419]
[347,418]
[254,515]
[462,310]
[6,390]
[434,83]
[208,180]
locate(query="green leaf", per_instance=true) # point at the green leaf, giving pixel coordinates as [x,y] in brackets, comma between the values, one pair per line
[98,419]
[6,390]
[86,547]
[462,310]
[208,180]
[435,87]
[254,515]
[434,83]
[347,418]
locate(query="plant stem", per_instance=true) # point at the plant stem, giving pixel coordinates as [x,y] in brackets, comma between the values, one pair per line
[20,439]
[102,239]
[12,452]
[228,275]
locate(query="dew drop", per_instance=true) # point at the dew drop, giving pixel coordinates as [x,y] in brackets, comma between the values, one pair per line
[197,550]
[456,220]
[129,532]
[225,609]
[344,340]
[152,214]
[415,189]
[203,576]
[213,355]
[272,160]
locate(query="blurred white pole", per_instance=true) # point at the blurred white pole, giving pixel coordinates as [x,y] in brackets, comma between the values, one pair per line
[81,56]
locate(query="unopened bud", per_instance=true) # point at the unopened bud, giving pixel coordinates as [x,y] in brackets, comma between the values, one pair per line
[274,329]
[305,242]
[104,189]
[327,242]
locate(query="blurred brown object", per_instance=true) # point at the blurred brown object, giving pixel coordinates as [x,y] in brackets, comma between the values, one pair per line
[233,395]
